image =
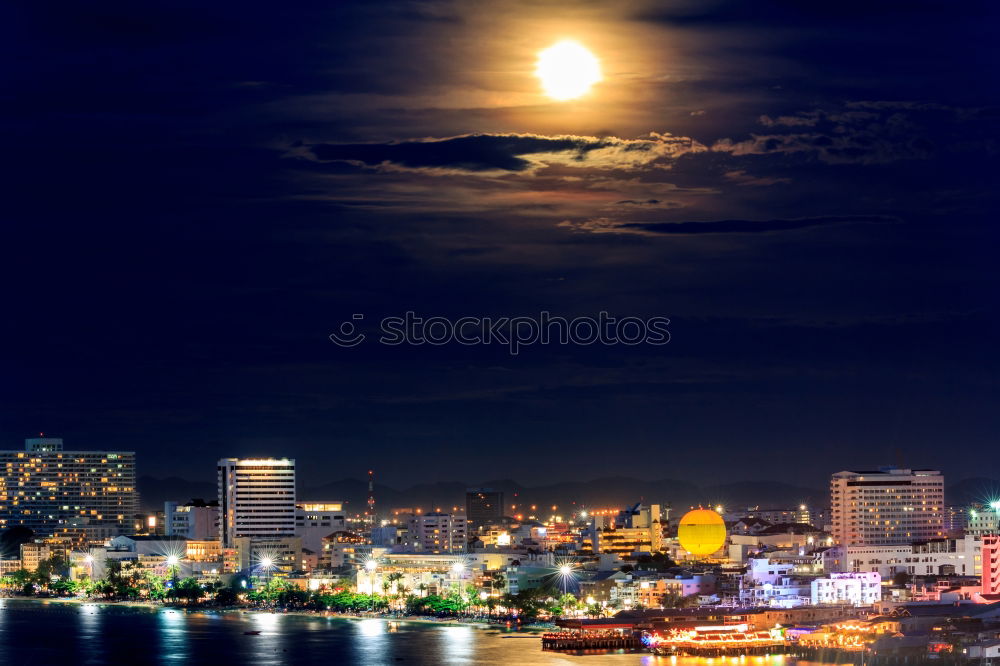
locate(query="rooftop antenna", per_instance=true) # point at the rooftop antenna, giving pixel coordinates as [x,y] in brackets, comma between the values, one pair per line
[371,497]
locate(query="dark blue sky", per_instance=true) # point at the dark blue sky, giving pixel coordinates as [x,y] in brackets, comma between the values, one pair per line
[197,194]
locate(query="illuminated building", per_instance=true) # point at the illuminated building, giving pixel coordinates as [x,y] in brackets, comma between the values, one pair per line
[855,589]
[273,555]
[420,574]
[778,584]
[204,550]
[983,519]
[50,490]
[149,523]
[483,506]
[652,590]
[315,520]
[343,549]
[194,520]
[800,514]
[256,499]
[437,533]
[635,530]
[991,565]
[33,554]
[924,558]
[886,507]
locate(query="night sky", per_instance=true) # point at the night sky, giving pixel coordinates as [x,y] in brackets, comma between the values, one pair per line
[198,194]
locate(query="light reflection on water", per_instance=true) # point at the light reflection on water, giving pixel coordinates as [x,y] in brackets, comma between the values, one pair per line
[173,636]
[42,633]
[89,632]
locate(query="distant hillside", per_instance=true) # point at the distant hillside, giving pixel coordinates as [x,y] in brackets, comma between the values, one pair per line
[972,490]
[603,492]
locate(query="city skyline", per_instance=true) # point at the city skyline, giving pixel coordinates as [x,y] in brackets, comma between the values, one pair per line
[385,331]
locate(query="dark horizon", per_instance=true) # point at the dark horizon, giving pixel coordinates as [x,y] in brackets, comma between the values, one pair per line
[198,197]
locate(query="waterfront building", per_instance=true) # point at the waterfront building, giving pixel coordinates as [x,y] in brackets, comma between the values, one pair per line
[886,507]
[263,557]
[161,545]
[256,499]
[52,490]
[195,520]
[33,554]
[315,520]
[855,589]
[937,557]
[651,589]
[778,583]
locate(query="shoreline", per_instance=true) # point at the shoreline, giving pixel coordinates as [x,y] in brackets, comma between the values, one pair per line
[154,606]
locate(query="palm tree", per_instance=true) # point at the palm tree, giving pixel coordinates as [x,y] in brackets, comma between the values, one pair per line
[423,589]
[499,581]
[403,591]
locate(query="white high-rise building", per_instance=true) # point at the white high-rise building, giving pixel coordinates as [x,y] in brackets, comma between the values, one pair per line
[256,498]
[886,507]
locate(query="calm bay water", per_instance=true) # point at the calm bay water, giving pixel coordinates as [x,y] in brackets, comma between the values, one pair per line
[34,633]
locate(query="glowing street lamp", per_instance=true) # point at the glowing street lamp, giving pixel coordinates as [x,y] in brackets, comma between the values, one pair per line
[565,573]
[172,560]
[371,565]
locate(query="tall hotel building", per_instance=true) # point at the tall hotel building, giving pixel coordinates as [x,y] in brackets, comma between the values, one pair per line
[886,507]
[52,491]
[256,499]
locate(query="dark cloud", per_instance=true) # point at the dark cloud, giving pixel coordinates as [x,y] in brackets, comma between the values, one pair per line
[507,152]
[172,281]
[604,225]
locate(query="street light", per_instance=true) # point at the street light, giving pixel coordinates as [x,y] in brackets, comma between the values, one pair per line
[371,566]
[565,571]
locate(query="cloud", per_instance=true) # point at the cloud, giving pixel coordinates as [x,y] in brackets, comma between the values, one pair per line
[863,132]
[743,179]
[608,225]
[479,153]
[809,119]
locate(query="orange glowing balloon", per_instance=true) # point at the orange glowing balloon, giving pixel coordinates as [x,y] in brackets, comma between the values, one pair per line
[701,532]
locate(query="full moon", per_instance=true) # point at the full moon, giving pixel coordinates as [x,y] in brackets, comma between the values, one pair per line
[567,70]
